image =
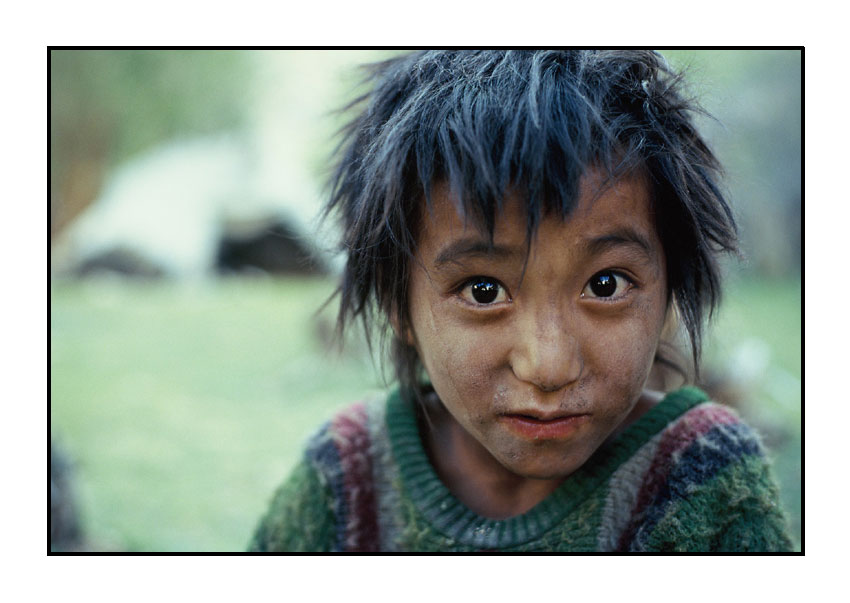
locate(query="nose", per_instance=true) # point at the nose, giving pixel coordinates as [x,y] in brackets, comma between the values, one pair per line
[546,353]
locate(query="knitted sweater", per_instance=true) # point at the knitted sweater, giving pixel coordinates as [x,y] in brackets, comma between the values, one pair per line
[686,476]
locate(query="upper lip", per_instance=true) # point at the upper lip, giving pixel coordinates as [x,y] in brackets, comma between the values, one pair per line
[543,416]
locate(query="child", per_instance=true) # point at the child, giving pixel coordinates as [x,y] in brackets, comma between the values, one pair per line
[528,226]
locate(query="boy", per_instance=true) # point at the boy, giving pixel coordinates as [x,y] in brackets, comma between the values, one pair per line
[528,225]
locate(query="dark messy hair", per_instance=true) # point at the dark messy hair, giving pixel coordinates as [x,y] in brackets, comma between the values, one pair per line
[534,121]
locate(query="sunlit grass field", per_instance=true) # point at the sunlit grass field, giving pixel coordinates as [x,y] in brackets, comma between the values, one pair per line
[183,406]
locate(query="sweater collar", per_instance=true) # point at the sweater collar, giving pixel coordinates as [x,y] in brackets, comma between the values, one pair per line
[452,518]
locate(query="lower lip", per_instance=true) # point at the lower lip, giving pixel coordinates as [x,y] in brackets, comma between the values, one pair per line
[543,430]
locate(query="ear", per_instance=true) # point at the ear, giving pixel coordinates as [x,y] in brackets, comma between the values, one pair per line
[672,323]
[405,334]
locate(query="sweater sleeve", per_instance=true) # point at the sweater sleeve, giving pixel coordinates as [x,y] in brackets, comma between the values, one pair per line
[736,512]
[719,495]
[301,516]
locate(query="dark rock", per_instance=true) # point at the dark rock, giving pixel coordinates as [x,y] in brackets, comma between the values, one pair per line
[121,261]
[267,246]
[65,531]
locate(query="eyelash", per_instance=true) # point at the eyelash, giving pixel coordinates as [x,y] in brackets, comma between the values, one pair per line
[501,289]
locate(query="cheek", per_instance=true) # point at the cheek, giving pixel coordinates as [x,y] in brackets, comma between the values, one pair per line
[466,362]
[461,362]
[633,359]
[620,361]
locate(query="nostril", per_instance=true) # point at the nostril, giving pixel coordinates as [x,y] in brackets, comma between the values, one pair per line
[549,379]
[548,388]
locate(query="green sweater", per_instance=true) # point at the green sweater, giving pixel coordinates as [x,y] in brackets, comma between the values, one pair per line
[687,476]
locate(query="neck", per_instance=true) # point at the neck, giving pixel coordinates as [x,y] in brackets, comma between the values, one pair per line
[471,473]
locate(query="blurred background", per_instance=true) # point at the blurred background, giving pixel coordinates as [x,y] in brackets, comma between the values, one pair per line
[190,353]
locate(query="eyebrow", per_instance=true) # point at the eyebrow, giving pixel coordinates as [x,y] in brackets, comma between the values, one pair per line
[618,238]
[467,248]
[461,249]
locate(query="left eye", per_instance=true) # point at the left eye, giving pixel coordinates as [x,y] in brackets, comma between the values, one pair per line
[484,291]
[606,284]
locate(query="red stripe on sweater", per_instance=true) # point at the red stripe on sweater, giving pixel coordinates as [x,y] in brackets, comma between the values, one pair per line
[351,438]
[674,439]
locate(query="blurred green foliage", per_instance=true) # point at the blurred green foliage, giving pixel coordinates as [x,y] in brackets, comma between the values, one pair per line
[107,105]
[755,100]
[142,97]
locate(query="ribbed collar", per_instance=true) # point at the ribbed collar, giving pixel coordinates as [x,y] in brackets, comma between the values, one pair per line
[453,519]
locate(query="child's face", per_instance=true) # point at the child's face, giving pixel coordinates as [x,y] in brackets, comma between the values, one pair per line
[540,368]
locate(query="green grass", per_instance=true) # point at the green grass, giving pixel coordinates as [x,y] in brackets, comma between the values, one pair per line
[184,406]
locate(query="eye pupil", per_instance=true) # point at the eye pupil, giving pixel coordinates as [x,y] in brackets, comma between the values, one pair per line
[484,292]
[603,284]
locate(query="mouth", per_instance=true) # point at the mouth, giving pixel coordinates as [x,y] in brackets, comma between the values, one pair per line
[538,426]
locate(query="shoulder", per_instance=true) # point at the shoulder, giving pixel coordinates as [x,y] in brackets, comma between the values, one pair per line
[709,478]
[349,454]
[328,488]
[709,435]
[345,443]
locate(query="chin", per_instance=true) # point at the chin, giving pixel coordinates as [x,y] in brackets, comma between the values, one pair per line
[544,467]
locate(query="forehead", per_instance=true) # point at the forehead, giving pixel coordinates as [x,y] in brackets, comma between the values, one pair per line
[601,207]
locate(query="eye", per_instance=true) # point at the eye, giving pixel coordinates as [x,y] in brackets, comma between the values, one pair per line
[606,284]
[483,290]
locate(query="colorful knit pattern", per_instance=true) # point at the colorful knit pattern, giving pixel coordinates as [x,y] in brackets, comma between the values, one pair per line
[687,476]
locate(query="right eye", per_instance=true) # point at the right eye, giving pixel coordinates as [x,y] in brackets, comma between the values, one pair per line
[483,291]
